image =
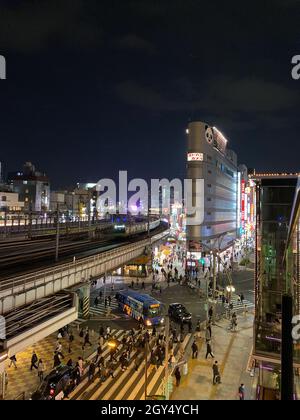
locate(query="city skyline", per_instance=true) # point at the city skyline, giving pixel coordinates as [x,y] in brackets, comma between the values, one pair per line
[149,202]
[107,87]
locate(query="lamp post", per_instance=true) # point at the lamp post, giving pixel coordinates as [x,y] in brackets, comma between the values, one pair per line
[230,290]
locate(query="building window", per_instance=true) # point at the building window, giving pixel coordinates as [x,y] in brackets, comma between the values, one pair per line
[209,185]
[3,198]
[209,171]
[209,199]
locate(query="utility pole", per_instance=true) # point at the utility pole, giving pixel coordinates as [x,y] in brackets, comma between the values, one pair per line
[167,335]
[57,233]
[30,221]
[146,368]
[89,214]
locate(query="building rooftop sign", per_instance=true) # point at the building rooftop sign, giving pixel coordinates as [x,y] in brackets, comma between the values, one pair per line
[195,157]
[220,142]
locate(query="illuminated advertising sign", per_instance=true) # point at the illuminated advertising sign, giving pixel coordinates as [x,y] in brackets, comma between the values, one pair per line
[243,201]
[239,201]
[195,157]
[220,142]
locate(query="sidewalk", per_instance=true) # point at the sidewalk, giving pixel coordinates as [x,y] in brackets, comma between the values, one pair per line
[23,379]
[232,351]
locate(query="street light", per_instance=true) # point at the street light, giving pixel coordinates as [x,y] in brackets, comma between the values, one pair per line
[230,290]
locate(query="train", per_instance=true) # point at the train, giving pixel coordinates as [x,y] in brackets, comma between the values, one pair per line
[124,230]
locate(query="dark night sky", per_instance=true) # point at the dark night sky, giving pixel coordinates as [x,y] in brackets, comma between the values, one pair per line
[98,86]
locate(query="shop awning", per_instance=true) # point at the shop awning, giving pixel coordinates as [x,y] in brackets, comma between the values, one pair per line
[144,259]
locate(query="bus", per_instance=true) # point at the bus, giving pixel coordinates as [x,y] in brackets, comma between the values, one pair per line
[141,307]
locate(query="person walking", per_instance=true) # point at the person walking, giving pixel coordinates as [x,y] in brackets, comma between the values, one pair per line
[58,349]
[108,332]
[86,340]
[208,334]
[80,366]
[96,301]
[71,339]
[234,322]
[101,331]
[177,375]
[109,301]
[41,369]
[242,392]
[34,360]
[154,331]
[56,360]
[91,372]
[194,350]
[105,302]
[13,361]
[216,374]
[209,350]
[99,351]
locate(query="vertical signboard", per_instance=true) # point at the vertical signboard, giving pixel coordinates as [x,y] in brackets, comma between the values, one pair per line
[243,205]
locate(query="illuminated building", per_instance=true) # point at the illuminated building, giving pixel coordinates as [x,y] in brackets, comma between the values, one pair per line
[33,188]
[276,281]
[209,158]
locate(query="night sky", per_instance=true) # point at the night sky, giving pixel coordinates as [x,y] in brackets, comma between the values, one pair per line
[98,86]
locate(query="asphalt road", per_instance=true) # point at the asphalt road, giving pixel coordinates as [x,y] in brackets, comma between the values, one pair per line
[242,280]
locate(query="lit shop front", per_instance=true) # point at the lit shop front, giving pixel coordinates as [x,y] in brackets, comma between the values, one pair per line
[139,267]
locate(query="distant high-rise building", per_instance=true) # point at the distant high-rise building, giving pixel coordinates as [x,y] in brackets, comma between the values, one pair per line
[33,188]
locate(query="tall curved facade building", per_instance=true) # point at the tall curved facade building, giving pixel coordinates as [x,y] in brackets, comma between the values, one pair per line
[209,158]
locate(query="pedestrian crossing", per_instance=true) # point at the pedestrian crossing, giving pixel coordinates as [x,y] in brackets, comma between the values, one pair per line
[128,384]
[101,310]
[239,306]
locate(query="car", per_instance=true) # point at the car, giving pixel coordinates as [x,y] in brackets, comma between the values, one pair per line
[179,313]
[55,384]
